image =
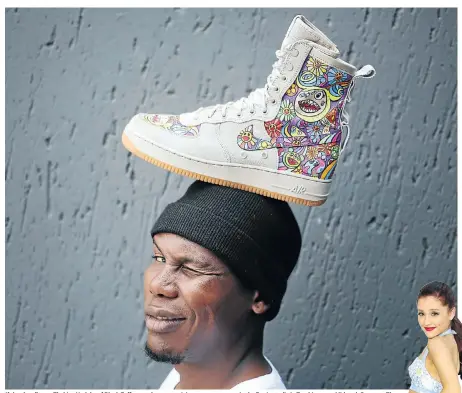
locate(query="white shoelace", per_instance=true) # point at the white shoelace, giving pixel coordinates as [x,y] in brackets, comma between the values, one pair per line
[368,72]
[258,97]
[345,118]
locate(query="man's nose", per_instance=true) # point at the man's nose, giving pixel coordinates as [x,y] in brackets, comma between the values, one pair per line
[164,283]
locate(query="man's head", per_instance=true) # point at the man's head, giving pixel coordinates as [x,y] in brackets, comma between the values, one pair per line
[221,261]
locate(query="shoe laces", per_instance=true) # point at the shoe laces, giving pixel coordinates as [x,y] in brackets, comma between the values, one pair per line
[259,97]
[366,71]
[345,118]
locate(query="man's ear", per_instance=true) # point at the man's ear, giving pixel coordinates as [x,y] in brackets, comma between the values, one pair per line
[259,306]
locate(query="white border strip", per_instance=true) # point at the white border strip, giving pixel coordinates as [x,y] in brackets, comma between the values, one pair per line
[214,390]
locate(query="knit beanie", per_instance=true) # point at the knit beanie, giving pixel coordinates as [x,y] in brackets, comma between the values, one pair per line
[256,237]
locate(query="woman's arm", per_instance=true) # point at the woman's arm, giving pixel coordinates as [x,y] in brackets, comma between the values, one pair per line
[442,359]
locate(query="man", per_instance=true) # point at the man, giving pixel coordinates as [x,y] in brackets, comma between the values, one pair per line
[222,258]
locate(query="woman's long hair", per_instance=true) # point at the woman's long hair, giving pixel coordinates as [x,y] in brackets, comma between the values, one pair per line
[445,294]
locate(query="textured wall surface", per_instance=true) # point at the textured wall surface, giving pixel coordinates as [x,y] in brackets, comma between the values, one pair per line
[79,207]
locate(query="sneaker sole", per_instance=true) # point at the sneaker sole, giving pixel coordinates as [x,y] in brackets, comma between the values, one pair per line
[129,145]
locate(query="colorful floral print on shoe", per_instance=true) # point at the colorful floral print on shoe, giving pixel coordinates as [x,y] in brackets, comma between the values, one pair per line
[172,123]
[307,129]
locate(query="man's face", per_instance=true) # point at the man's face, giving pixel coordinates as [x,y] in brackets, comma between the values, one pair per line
[198,302]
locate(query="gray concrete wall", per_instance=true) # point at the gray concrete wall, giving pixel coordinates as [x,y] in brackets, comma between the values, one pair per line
[79,207]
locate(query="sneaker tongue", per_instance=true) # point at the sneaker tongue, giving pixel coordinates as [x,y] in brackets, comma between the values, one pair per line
[302,29]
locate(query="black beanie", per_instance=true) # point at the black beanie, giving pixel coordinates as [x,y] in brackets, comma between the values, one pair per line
[257,237]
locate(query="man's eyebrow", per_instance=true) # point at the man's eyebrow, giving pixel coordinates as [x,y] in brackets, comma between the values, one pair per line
[198,262]
[188,259]
[155,245]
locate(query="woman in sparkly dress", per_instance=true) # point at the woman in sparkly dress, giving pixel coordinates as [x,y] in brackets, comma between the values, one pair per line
[437,368]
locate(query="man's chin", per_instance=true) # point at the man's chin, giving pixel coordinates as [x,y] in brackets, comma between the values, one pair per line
[163,356]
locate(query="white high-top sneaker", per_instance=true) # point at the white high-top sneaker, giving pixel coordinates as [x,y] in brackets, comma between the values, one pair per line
[283,141]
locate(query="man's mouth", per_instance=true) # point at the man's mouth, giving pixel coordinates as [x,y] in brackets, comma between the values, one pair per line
[163,324]
[309,106]
[166,319]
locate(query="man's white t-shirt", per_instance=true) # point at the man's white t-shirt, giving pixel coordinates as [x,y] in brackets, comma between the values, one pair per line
[268,381]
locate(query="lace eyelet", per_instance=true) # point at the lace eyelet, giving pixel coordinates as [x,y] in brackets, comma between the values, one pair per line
[264,154]
[296,50]
[252,112]
[273,102]
[284,78]
[265,111]
[238,115]
[276,89]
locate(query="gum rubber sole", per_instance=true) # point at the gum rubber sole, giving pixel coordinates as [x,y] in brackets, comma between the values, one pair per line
[132,148]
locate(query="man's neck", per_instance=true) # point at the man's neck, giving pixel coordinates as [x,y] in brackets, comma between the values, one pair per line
[224,369]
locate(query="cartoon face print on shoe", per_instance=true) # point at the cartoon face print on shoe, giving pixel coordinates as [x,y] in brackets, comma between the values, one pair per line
[311,104]
[314,103]
[246,140]
[291,159]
